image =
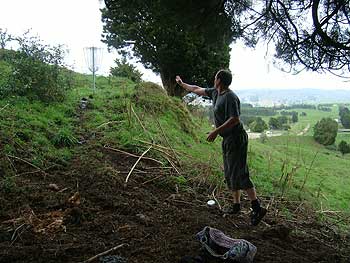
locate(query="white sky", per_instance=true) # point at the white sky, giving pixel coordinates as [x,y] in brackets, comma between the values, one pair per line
[77,24]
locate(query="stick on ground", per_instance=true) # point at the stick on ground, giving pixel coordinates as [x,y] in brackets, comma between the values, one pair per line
[103,253]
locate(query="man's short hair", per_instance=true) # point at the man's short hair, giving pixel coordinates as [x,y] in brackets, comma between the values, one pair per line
[225,77]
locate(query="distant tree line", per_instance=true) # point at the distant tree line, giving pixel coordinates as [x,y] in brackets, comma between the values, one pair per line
[324,108]
[295,106]
[326,104]
[258,111]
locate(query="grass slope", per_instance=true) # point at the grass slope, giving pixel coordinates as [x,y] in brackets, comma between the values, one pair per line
[126,116]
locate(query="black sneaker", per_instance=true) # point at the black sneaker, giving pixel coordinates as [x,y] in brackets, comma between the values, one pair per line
[257,215]
[232,209]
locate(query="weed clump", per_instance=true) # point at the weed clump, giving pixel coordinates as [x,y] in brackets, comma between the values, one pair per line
[64,138]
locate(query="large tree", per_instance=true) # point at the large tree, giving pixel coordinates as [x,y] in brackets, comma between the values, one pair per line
[190,38]
[307,34]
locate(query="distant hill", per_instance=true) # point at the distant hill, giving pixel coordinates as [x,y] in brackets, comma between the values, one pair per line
[270,97]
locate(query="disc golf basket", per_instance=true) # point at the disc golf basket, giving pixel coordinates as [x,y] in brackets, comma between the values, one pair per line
[93,58]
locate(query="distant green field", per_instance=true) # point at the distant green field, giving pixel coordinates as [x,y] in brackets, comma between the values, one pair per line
[308,122]
[312,116]
[327,181]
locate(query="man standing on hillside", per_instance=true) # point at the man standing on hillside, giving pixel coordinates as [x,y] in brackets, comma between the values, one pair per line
[227,110]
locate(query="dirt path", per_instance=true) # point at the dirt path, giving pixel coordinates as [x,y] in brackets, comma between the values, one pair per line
[305,130]
[256,135]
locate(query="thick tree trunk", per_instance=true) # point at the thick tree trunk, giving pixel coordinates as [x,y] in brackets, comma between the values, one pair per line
[171,86]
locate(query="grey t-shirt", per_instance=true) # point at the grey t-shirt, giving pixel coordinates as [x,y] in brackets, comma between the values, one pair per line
[225,106]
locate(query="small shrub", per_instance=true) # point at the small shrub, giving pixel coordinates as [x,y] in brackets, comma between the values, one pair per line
[344,147]
[126,70]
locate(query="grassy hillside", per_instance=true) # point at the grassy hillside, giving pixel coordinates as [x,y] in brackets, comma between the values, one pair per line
[64,196]
[122,115]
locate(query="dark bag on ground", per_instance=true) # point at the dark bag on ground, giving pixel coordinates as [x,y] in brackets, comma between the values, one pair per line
[218,245]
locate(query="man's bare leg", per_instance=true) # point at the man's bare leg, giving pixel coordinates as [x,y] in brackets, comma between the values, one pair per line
[234,207]
[236,196]
[251,194]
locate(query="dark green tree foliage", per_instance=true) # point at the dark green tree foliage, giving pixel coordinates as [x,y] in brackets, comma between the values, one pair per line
[344,147]
[126,70]
[247,119]
[295,106]
[282,120]
[279,123]
[258,111]
[344,114]
[274,123]
[259,125]
[325,131]
[295,117]
[189,38]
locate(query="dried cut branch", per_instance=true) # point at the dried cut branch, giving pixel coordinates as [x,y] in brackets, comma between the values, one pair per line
[29,163]
[132,155]
[167,141]
[109,122]
[138,119]
[138,160]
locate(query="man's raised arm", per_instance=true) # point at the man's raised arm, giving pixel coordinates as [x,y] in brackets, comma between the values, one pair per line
[191,88]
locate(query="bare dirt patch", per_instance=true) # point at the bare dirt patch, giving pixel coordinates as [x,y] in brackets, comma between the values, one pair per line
[155,220]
